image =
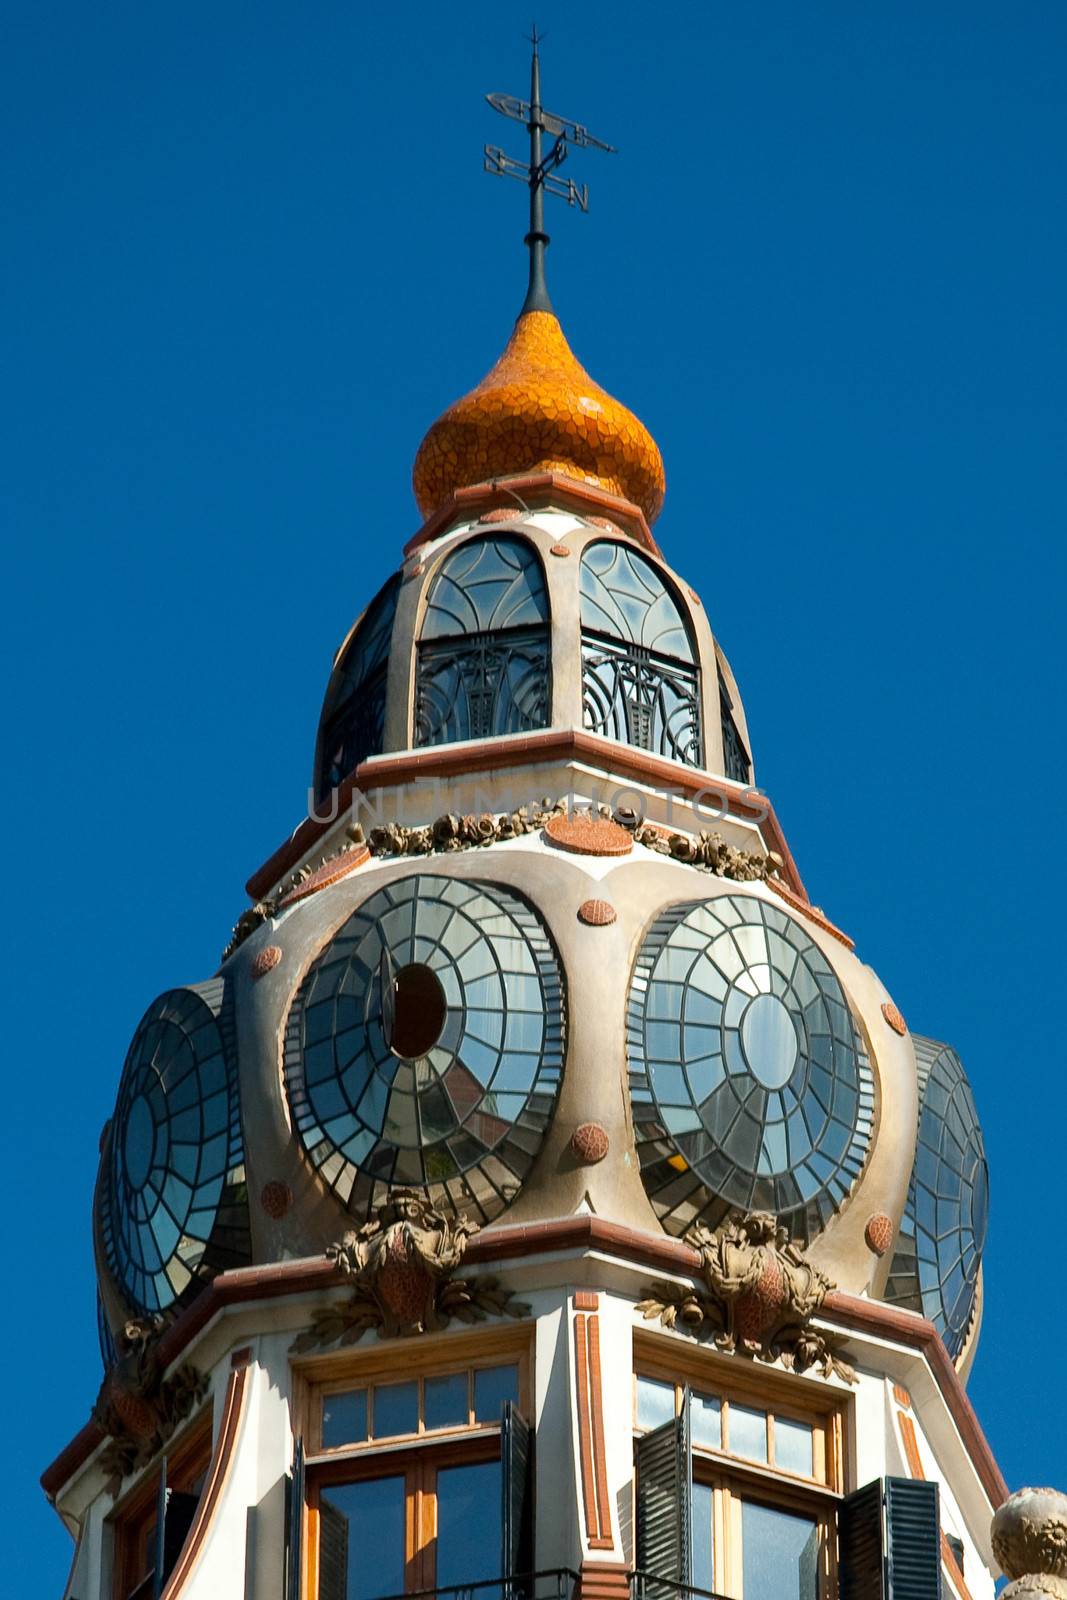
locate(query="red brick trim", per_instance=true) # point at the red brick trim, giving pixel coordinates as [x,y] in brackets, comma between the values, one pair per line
[605,1541]
[602,1580]
[523,750]
[585,1428]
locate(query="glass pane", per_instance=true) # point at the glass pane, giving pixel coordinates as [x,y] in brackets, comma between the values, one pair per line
[445,1401]
[492,1386]
[655,1402]
[396,1410]
[361,1539]
[780,1554]
[468,1525]
[794,1446]
[344,1418]
[748,1432]
[706,1415]
[703,1536]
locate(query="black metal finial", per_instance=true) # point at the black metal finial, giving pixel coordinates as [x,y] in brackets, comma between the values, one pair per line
[539,172]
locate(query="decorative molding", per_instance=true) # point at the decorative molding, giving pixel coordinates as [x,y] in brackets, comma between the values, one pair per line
[403,1263]
[590,1143]
[588,832]
[761,1296]
[597,913]
[138,1408]
[814,914]
[538,486]
[878,1234]
[894,1018]
[591,1452]
[233,1411]
[521,750]
[1029,1537]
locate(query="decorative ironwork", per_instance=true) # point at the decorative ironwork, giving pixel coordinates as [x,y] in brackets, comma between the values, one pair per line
[402,1264]
[761,1294]
[539,172]
[173,1205]
[631,695]
[488,685]
[353,718]
[640,678]
[736,761]
[942,1232]
[749,1084]
[484,666]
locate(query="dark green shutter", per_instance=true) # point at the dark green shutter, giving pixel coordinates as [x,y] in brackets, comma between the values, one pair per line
[333,1552]
[913,1538]
[860,1546]
[295,1524]
[889,1542]
[516,1489]
[664,1460]
[161,1529]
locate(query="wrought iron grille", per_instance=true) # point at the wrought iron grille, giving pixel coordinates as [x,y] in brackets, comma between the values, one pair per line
[736,760]
[551,1583]
[640,697]
[356,732]
[648,1586]
[482,685]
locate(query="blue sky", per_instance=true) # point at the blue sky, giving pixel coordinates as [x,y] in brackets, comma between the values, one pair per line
[249,255]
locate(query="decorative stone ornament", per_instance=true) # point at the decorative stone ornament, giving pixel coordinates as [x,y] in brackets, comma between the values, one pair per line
[328,872]
[879,1233]
[276,1199]
[1029,1536]
[402,1263]
[560,550]
[761,1296]
[894,1018]
[590,1143]
[588,836]
[266,960]
[597,913]
[137,1406]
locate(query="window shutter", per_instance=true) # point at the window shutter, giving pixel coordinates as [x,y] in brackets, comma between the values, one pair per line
[161,1530]
[333,1552]
[664,1505]
[861,1556]
[295,1525]
[516,1487]
[913,1537]
[895,1555]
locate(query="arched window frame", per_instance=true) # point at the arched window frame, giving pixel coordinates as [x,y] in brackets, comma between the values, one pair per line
[352,725]
[638,687]
[483,662]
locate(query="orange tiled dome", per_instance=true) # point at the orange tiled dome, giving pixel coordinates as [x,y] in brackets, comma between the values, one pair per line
[539,411]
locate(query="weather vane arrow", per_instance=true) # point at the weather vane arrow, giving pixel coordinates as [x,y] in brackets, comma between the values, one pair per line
[539,173]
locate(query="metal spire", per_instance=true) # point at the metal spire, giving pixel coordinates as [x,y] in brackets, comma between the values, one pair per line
[539,172]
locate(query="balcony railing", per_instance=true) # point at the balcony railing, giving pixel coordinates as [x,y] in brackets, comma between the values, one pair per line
[647,1586]
[552,1583]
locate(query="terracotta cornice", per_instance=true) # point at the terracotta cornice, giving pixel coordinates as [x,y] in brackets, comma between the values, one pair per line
[523,750]
[535,486]
[656,1251]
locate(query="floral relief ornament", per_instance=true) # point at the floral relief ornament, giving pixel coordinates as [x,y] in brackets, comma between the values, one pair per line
[761,1294]
[138,1407]
[402,1264]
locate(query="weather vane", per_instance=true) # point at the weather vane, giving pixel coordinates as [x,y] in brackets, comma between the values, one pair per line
[539,173]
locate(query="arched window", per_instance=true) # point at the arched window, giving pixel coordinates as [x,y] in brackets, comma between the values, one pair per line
[640,678]
[353,717]
[483,665]
[736,762]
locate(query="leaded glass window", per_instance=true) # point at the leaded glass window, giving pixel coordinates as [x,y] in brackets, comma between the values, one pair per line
[425,1046]
[736,763]
[174,1203]
[483,665]
[640,677]
[749,1083]
[353,717]
[942,1233]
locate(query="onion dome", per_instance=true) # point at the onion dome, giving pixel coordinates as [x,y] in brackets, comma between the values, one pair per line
[538,410]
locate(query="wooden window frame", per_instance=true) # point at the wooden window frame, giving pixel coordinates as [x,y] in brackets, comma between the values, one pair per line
[134,1518]
[417,1457]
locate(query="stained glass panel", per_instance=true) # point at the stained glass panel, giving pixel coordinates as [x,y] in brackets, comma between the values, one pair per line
[749,1084]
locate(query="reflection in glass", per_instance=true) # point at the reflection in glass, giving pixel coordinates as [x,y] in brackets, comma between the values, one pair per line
[750,1086]
[344,1418]
[748,1432]
[396,1409]
[353,715]
[465,1119]
[780,1554]
[793,1446]
[492,1386]
[468,1525]
[361,1543]
[445,1401]
[703,1536]
[655,1402]
[705,1412]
